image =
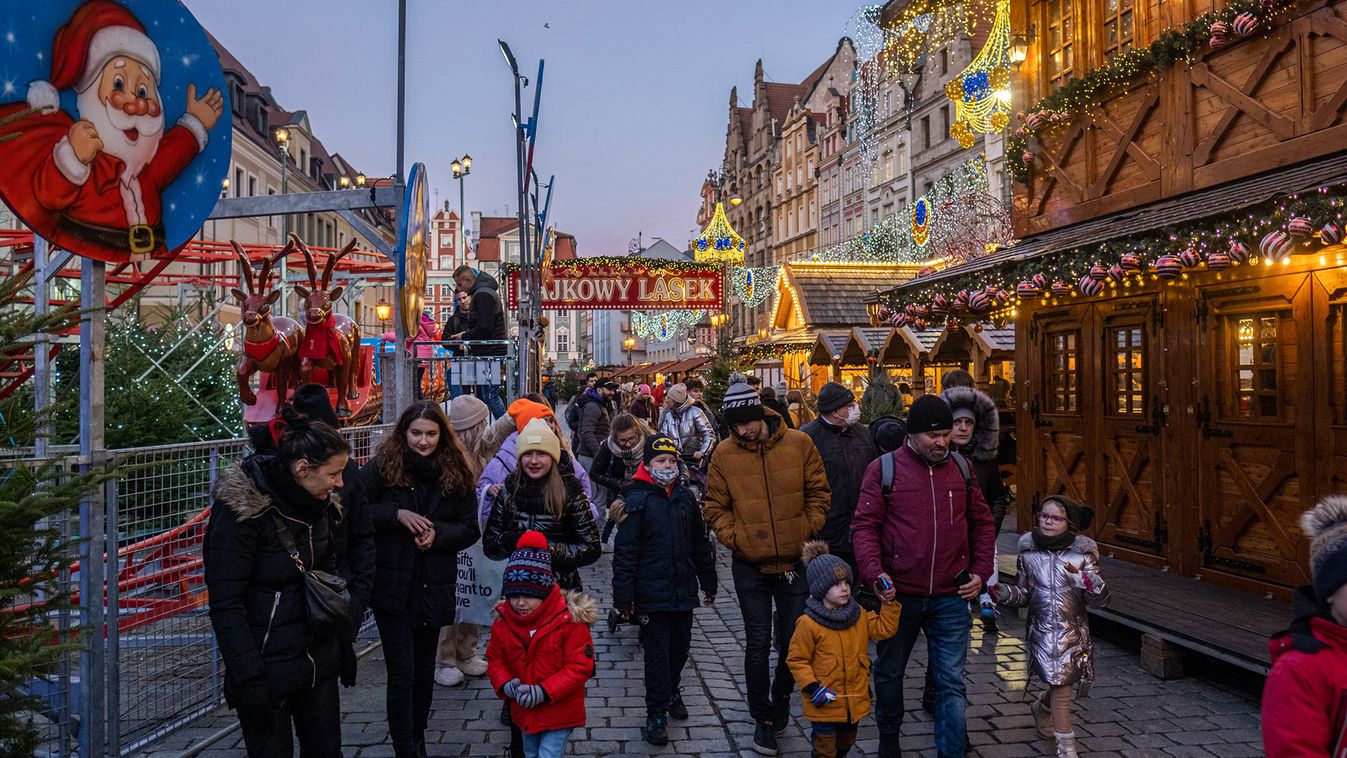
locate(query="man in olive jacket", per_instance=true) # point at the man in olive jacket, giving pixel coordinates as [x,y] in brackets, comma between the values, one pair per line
[767,495]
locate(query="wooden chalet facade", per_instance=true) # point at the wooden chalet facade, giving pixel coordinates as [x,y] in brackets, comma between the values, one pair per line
[1200,415]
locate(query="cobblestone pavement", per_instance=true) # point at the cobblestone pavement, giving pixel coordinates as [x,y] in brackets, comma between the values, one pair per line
[1128,713]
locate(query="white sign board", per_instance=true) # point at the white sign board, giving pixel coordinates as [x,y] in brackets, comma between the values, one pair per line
[479,586]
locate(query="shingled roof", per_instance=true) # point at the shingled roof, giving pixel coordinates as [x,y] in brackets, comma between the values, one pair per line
[834,294]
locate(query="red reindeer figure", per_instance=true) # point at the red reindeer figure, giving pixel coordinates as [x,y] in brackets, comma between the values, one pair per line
[331,340]
[270,343]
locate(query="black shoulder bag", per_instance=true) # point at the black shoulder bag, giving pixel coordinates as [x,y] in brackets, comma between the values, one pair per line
[325,593]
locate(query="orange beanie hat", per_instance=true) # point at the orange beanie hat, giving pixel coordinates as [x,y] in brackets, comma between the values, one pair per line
[524,410]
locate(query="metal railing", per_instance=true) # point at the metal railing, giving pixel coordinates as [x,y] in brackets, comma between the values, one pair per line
[163,666]
[456,364]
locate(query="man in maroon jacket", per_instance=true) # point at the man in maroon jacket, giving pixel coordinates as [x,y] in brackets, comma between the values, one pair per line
[927,539]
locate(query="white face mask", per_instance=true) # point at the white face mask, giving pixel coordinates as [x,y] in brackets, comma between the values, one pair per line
[854,415]
[664,476]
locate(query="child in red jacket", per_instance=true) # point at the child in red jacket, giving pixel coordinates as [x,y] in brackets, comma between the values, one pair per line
[541,653]
[1305,697]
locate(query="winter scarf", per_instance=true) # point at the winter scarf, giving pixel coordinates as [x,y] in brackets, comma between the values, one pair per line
[1053,544]
[322,340]
[842,618]
[630,458]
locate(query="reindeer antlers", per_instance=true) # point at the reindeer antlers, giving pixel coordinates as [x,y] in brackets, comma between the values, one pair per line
[332,261]
[245,267]
[308,259]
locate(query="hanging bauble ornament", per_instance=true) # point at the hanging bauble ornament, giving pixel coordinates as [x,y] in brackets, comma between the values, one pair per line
[1040,281]
[900,320]
[961,302]
[1027,289]
[1218,261]
[1116,273]
[1036,120]
[1098,272]
[1168,266]
[1060,288]
[939,308]
[1000,121]
[1276,245]
[1239,252]
[884,313]
[1003,297]
[922,312]
[1090,286]
[1299,228]
[1130,263]
[1245,24]
[954,90]
[1190,258]
[979,301]
[1330,234]
[1217,42]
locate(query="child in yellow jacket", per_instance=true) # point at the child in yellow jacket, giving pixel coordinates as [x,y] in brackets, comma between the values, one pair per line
[830,651]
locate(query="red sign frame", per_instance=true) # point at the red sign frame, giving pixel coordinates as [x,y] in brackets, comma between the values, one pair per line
[627,287]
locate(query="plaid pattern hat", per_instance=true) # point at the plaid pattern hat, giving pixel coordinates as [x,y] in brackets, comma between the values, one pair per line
[529,570]
[741,403]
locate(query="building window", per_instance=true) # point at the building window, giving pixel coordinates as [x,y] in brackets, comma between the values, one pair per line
[926,131]
[238,182]
[1127,375]
[1063,378]
[563,341]
[271,220]
[430,292]
[944,123]
[446,313]
[1061,25]
[1256,366]
[446,292]
[944,61]
[1118,27]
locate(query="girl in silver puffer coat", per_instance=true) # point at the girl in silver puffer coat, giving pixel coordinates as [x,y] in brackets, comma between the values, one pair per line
[1057,577]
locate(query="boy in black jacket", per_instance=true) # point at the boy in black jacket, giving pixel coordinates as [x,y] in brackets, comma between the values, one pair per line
[662,553]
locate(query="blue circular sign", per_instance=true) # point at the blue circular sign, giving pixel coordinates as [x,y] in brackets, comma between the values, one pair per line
[115,124]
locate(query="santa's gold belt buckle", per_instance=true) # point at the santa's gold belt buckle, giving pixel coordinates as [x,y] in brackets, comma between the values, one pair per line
[141,238]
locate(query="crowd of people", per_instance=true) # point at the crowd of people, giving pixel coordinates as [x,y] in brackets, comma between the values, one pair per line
[839,534]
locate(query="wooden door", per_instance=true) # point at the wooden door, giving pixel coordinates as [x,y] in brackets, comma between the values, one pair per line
[1330,365]
[1128,473]
[1061,338]
[1255,413]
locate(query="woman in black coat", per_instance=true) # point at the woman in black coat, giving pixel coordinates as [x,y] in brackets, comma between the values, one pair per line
[281,668]
[419,487]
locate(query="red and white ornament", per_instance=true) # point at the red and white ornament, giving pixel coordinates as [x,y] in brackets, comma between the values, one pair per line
[1168,266]
[1090,286]
[1299,228]
[1190,258]
[1003,297]
[1218,261]
[1330,234]
[1245,24]
[939,308]
[1130,263]
[1116,273]
[1239,252]
[1060,288]
[1098,272]
[1027,289]
[1277,245]
[1040,281]
[979,301]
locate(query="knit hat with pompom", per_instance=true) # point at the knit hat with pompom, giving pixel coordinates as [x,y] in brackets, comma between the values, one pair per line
[529,570]
[823,570]
[1326,526]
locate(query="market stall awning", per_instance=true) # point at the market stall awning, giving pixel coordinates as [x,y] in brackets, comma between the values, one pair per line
[828,347]
[1306,177]
[997,342]
[906,342]
[832,295]
[689,364]
[863,342]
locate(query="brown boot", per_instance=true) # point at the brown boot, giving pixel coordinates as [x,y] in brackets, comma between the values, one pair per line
[825,746]
[844,743]
[1043,716]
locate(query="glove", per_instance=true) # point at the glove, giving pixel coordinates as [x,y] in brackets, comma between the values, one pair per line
[253,696]
[510,688]
[819,695]
[530,695]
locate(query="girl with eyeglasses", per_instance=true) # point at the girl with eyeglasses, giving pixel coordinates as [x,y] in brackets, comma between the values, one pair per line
[1056,579]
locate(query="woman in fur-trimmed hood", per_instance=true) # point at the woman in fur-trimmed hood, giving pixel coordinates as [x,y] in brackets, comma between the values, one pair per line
[986,421]
[281,667]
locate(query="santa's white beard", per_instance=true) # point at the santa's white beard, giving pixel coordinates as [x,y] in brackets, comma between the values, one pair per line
[112,125]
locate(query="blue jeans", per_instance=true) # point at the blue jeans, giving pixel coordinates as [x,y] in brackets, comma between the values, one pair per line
[947,625]
[491,396]
[550,744]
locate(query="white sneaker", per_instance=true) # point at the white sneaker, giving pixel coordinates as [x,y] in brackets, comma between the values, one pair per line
[448,676]
[474,666]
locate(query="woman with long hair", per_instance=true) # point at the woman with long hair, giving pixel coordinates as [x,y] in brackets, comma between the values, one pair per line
[269,513]
[541,495]
[799,409]
[420,487]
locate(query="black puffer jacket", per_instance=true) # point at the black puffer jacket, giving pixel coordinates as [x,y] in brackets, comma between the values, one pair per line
[662,552]
[611,470]
[486,318]
[573,539]
[418,584]
[846,452]
[257,602]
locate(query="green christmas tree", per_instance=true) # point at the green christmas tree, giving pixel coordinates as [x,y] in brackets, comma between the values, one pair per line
[881,396]
[725,361]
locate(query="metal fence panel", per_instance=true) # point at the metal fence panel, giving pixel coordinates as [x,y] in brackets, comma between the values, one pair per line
[167,669]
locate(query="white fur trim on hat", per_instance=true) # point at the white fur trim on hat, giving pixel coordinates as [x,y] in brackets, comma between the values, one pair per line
[112,41]
[43,96]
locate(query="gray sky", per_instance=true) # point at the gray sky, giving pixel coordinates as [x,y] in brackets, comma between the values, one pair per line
[634,94]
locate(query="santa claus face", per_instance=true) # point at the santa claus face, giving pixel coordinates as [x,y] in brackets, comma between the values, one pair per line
[124,105]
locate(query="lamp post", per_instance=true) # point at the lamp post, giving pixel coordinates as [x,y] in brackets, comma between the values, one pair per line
[283,149]
[460,168]
[629,344]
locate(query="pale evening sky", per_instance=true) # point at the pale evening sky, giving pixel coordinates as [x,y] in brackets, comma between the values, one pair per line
[635,93]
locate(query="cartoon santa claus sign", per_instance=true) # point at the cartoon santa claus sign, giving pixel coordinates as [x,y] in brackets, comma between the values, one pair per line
[95,185]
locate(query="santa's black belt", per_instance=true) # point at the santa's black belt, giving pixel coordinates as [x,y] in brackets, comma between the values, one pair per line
[137,238]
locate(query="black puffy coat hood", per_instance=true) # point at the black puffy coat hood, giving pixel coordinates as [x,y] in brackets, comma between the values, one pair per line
[987,421]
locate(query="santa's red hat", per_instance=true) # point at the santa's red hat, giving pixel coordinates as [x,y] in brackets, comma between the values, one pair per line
[99,31]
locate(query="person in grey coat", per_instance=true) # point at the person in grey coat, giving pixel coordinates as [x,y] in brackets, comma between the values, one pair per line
[1057,577]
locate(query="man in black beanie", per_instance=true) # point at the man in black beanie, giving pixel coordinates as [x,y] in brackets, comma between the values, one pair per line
[929,504]
[847,449]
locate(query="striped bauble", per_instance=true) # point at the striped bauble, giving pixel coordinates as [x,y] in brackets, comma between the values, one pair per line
[1276,244]
[1218,261]
[1299,228]
[1245,24]
[1168,266]
[1330,234]
[1060,288]
[1239,252]
[1130,263]
[1090,286]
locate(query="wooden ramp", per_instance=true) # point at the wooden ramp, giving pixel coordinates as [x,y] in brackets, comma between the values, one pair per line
[1219,622]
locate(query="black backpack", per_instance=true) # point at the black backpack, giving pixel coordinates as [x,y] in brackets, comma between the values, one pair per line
[573,413]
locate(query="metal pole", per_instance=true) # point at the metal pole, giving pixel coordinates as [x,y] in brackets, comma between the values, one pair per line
[402,88]
[93,328]
[527,293]
[42,384]
[462,218]
[402,361]
[285,227]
